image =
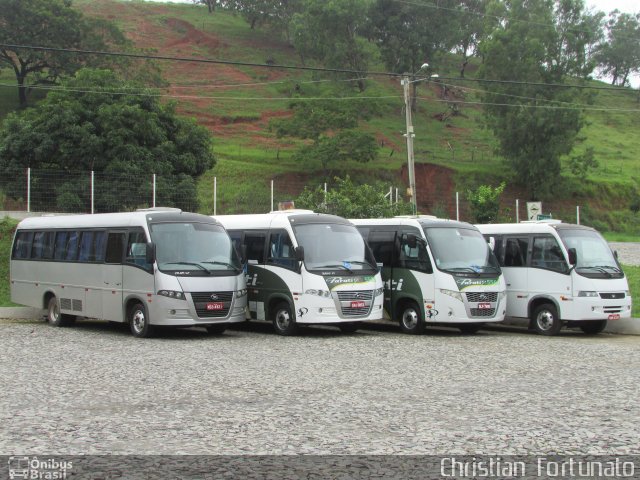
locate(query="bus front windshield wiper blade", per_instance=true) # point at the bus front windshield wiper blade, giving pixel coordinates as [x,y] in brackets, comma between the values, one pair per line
[615,269]
[190,263]
[215,262]
[334,265]
[462,269]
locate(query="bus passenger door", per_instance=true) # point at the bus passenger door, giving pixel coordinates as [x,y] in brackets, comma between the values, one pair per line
[381,244]
[257,280]
[548,272]
[513,260]
[112,278]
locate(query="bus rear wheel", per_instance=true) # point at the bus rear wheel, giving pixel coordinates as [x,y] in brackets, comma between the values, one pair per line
[139,321]
[593,327]
[284,322]
[55,317]
[545,320]
[411,321]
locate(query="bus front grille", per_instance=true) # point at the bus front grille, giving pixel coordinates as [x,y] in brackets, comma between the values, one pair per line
[356,303]
[208,304]
[483,312]
[611,295]
[478,297]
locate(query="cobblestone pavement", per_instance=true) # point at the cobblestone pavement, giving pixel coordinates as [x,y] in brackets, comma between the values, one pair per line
[628,252]
[94,389]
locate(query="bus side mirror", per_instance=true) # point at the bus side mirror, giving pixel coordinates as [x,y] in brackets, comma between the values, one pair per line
[412,241]
[492,243]
[243,254]
[150,253]
[379,265]
[299,253]
[573,256]
[615,254]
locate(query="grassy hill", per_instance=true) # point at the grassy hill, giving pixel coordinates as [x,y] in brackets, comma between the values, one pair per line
[237,104]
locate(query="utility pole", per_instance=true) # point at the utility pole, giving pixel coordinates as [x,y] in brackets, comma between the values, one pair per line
[410,135]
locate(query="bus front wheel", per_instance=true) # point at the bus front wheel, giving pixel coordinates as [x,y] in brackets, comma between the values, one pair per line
[139,321]
[411,321]
[55,317]
[546,320]
[284,322]
[593,327]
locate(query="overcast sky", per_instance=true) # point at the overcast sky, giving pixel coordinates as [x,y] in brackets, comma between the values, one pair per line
[628,6]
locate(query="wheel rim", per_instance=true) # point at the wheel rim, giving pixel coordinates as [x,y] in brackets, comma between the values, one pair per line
[545,320]
[410,319]
[138,321]
[283,319]
[54,311]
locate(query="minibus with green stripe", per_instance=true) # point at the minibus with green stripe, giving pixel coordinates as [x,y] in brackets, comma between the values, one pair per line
[305,268]
[158,267]
[435,272]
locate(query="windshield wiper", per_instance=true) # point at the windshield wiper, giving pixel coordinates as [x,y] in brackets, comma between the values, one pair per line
[332,265]
[596,267]
[462,269]
[615,269]
[190,263]
[215,262]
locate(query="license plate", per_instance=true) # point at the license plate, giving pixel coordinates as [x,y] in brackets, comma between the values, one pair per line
[215,306]
[614,316]
[484,306]
[359,304]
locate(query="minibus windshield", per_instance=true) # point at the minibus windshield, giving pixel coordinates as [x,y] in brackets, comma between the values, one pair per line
[461,251]
[594,256]
[334,246]
[194,248]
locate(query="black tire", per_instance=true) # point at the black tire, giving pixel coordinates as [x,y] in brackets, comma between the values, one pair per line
[545,320]
[469,328]
[55,317]
[216,329]
[411,320]
[593,327]
[284,322]
[139,321]
[349,327]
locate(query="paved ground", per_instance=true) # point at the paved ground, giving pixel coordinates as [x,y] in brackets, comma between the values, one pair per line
[94,389]
[628,252]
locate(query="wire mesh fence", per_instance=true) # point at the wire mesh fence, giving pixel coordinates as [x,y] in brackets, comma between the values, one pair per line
[50,191]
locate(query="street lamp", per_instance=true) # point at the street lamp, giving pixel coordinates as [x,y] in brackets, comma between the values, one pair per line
[410,134]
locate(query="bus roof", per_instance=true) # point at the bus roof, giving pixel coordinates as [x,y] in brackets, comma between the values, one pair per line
[529,227]
[111,219]
[425,221]
[278,219]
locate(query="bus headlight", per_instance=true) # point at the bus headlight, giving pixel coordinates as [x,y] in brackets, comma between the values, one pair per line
[585,293]
[452,293]
[378,291]
[172,294]
[241,293]
[320,293]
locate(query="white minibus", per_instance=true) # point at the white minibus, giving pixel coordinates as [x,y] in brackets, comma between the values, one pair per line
[306,268]
[435,271]
[559,274]
[146,268]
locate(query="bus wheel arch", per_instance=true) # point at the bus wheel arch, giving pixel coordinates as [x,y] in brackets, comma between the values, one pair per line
[410,317]
[544,316]
[138,318]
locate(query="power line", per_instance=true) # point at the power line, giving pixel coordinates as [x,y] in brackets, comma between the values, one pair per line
[295,67]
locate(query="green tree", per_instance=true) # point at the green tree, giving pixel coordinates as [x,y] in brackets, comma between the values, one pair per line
[619,56]
[330,31]
[331,125]
[352,201]
[50,23]
[91,125]
[533,118]
[485,202]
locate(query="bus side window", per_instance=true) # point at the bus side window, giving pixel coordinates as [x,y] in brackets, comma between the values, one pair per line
[547,254]
[71,248]
[381,244]
[22,246]
[115,247]
[60,245]
[136,249]
[515,252]
[413,255]
[255,247]
[86,247]
[281,250]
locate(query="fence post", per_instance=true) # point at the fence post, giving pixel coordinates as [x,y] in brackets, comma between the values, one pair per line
[578,214]
[457,207]
[92,192]
[215,194]
[325,194]
[154,190]
[271,196]
[517,211]
[396,195]
[29,189]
